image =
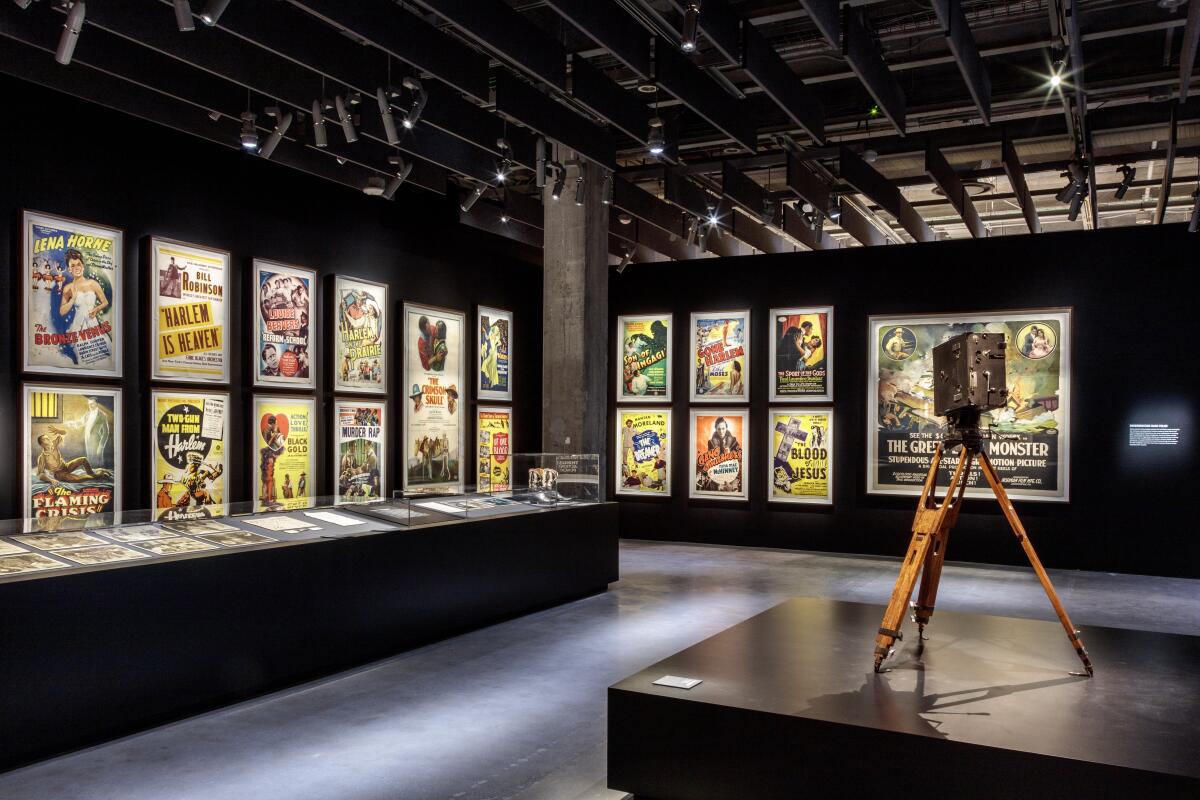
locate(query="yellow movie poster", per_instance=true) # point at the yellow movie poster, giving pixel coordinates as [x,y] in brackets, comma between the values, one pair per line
[802,354]
[360,352]
[433,373]
[188,465]
[721,356]
[494,469]
[72,453]
[720,453]
[360,450]
[284,437]
[801,455]
[71,290]
[189,318]
[644,358]
[644,452]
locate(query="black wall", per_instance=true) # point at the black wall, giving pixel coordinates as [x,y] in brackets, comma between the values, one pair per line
[1133,295]
[72,158]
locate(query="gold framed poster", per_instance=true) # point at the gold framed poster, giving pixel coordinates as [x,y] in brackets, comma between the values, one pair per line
[800,455]
[719,444]
[71,298]
[1029,442]
[189,312]
[643,452]
[284,347]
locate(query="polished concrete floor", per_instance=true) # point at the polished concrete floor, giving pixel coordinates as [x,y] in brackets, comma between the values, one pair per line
[518,710]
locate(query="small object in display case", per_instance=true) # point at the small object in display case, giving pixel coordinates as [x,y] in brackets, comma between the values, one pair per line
[543,479]
[556,478]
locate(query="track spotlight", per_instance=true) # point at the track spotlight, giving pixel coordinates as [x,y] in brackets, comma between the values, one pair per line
[183,16]
[1194,225]
[249,134]
[402,170]
[504,218]
[606,195]
[419,99]
[560,179]
[23,3]
[692,231]
[1077,202]
[691,24]
[385,112]
[70,34]
[870,155]
[339,104]
[281,127]
[626,258]
[212,12]
[539,150]
[657,141]
[375,186]
[1127,175]
[579,187]
[318,116]
[1077,178]
[473,198]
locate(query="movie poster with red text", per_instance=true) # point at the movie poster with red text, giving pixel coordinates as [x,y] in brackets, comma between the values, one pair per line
[720,356]
[494,430]
[72,453]
[71,296]
[433,379]
[284,351]
[719,454]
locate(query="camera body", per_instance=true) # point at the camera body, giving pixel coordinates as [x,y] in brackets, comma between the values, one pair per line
[969,374]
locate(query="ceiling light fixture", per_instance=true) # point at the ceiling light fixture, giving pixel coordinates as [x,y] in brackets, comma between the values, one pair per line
[626,258]
[1077,202]
[693,229]
[318,116]
[212,11]
[375,186]
[539,149]
[70,34]
[23,3]
[249,134]
[560,179]
[579,187]
[657,140]
[1076,177]
[1194,224]
[385,113]
[1127,175]
[418,105]
[402,170]
[473,197]
[281,127]
[183,16]
[691,25]
[606,193]
[339,104]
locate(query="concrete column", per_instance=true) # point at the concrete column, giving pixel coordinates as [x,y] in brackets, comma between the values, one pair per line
[575,358]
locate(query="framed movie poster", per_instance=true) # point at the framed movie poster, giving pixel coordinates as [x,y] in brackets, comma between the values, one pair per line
[493,425]
[189,312]
[720,356]
[360,450]
[433,374]
[801,453]
[284,350]
[283,449]
[71,453]
[360,353]
[802,354]
[1030,437]
[494,328]
[720,453]
[188,435]
[644,358]
[644,452]
[71,297]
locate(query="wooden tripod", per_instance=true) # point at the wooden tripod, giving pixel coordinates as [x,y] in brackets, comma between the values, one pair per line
[927,550]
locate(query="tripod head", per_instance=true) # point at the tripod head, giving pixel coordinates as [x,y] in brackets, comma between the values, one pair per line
[962,428]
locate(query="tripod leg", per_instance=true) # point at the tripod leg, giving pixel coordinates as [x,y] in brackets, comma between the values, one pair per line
[1014,522]
[936,555]
[929,520]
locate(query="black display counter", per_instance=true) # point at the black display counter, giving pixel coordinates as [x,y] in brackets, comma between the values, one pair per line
[92,654]
[789,706]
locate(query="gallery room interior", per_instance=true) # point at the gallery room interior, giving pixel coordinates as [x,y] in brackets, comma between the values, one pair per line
[575,399]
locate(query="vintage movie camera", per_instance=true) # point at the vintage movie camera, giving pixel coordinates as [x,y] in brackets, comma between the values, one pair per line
[969,378]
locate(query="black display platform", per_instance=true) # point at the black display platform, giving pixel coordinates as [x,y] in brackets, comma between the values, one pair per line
[92,654]
[790,706]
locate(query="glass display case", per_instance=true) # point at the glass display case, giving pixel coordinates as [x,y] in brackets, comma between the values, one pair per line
[46,546]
